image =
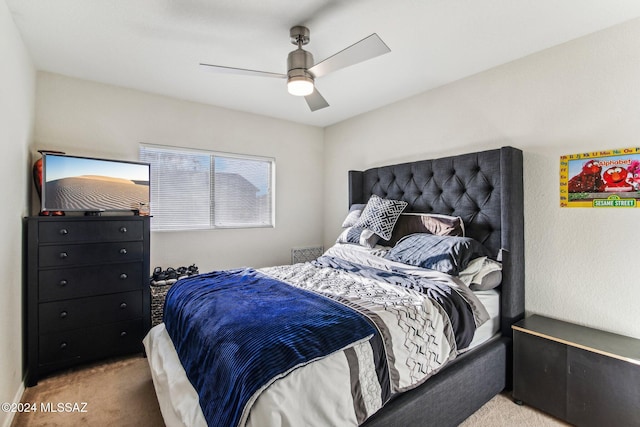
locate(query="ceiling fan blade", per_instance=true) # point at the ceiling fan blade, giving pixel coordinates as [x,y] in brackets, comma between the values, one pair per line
[315,101]
[240,71]
[367,48]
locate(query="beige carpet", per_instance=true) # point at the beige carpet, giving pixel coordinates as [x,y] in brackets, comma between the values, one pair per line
[502,412]
[119,393]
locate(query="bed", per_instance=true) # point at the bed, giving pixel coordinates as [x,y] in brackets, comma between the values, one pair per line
[484,190]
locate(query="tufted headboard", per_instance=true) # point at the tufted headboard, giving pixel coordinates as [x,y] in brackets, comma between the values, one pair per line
[485,189]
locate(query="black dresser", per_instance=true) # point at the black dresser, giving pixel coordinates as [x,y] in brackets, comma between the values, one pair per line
[87,293]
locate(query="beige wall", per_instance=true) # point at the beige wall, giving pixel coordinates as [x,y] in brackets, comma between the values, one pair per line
[86,118]
[17,95]
[578,97]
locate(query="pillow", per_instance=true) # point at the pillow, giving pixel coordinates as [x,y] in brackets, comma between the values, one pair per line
[482,274]
[354,215]
[448,254]
[441,225]
[380,215]
[359,236]
[491,280]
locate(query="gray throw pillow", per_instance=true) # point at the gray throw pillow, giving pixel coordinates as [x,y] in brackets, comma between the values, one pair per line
[440,225]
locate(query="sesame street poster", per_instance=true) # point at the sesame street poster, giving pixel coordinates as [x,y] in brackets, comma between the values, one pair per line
[601,179]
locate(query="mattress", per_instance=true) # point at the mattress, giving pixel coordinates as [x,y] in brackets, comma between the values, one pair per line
[179,400]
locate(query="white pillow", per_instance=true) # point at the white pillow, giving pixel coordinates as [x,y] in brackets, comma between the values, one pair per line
[482,274]
[354,215]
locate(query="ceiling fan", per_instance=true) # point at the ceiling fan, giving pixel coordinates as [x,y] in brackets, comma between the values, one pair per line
[302,72]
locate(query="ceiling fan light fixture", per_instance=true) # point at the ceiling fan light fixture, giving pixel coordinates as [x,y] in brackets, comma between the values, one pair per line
[300,85]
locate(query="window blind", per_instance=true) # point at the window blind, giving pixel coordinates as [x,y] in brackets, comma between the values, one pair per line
[193,189]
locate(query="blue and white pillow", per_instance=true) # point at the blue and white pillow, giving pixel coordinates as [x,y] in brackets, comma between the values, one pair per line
[358,236]
[380,215]
[448,254]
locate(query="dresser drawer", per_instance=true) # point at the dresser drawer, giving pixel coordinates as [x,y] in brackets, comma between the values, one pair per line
[89,231]
[65,283]
[93,253]
[91,343]
[86,312]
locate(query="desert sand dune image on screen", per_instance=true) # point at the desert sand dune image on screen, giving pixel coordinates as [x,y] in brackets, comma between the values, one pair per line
[95,193]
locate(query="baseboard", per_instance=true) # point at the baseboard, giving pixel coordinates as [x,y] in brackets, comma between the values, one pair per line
[16,399]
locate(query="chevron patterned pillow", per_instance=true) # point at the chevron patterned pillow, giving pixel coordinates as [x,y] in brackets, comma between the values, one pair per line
[380,215]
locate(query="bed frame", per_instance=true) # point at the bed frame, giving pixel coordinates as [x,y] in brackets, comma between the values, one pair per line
[485,189]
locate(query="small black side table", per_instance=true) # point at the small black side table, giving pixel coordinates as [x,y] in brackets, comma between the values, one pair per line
[582,375]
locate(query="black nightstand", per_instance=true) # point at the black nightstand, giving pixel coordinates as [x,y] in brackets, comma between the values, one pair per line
[582,375]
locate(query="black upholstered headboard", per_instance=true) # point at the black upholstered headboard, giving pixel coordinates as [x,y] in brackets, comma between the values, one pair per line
[484,189]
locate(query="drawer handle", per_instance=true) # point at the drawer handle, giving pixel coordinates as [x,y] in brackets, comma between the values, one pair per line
[63,282]
[63,345]
[123,276]
[123,229]
[63,231]
[123,251]
[63,314]
[123,305]
[123,334]
[63,255]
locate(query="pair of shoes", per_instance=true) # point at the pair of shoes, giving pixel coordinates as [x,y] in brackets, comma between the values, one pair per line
[171,273]
[187,271]
[161,276]
[158,275]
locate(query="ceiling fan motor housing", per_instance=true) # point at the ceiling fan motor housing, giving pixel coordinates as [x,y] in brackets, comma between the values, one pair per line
[298,62]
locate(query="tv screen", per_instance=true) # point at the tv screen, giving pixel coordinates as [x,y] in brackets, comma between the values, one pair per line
[71,183]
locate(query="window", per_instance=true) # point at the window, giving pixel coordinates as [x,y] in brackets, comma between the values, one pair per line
[193,189]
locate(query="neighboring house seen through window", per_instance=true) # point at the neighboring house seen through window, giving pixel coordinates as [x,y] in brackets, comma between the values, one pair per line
[193,189]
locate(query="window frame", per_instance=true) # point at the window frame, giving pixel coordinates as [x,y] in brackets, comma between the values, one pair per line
[211,196]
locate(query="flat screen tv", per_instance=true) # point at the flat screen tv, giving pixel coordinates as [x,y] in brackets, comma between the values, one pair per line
[71,183]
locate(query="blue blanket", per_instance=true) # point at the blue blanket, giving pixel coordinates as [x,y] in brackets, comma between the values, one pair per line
[235,331]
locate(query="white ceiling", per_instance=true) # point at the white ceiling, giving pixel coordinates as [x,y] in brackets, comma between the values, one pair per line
[156,45]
